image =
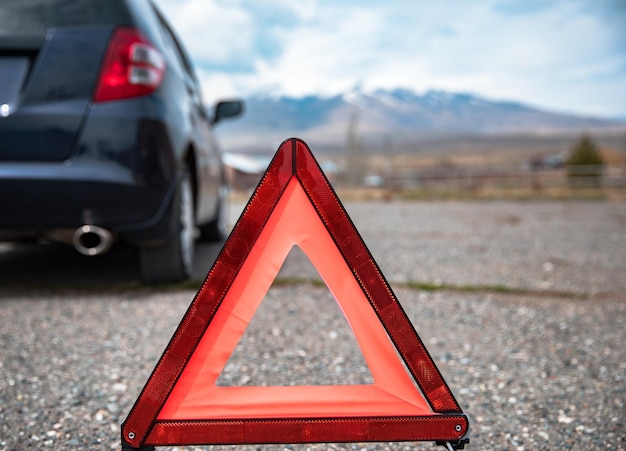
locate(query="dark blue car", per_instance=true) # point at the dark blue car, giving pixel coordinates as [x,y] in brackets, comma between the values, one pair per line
[103,133]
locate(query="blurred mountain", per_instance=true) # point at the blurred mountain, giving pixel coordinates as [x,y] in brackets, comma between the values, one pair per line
[399,113]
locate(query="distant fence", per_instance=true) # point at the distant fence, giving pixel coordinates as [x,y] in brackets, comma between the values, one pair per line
[437,181]
[476,180]
[411,177]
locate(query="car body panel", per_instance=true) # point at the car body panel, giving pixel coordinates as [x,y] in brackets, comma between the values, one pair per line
[66,160]
[47,114]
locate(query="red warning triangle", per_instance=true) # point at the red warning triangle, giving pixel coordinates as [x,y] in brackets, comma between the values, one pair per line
[181,404]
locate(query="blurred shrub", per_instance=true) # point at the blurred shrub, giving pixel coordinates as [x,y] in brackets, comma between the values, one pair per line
[585,164]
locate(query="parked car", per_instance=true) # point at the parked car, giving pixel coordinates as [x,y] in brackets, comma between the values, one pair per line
[104,135]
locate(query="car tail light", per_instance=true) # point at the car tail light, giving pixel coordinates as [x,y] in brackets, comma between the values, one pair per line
[132,67]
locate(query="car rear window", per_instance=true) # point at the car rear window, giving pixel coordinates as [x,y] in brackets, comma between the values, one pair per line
[36,16]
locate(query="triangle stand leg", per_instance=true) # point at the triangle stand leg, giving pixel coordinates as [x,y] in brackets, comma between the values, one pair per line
[454,445]
[127,447]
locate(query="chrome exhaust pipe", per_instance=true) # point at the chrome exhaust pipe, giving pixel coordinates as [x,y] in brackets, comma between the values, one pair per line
[92,240]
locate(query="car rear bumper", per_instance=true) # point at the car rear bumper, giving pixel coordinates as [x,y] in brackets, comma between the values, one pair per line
[38,197]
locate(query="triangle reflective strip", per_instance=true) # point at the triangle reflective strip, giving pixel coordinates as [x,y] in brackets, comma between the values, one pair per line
[293,205]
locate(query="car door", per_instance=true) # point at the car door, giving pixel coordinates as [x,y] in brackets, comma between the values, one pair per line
[208,160]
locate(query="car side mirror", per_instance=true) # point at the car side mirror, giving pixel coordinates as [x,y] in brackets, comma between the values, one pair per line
[227,109]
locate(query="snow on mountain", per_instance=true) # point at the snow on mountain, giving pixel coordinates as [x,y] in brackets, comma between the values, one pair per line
[402,113]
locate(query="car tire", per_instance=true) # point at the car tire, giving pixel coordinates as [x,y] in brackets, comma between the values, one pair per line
[173,261]
[217,228]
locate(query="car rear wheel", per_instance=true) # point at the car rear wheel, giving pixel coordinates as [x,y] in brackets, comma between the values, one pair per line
[173,261]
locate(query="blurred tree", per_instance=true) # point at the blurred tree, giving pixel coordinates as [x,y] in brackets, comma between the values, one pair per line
[585,164]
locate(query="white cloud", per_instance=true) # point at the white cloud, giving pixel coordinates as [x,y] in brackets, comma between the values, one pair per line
[556,55]
[304,9]
[211,31]
[324,58]
[219,86]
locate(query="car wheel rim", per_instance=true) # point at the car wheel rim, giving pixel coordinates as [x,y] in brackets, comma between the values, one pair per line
[186,224]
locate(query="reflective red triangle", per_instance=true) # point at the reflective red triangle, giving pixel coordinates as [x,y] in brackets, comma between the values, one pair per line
[196,395]
[182,405]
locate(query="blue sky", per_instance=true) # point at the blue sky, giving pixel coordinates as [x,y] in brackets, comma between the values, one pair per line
[560,55]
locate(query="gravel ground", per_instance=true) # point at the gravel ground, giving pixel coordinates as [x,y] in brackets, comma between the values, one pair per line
[567,247]
[540,367]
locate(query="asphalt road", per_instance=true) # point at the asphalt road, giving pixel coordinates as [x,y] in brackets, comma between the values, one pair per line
[522,306]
